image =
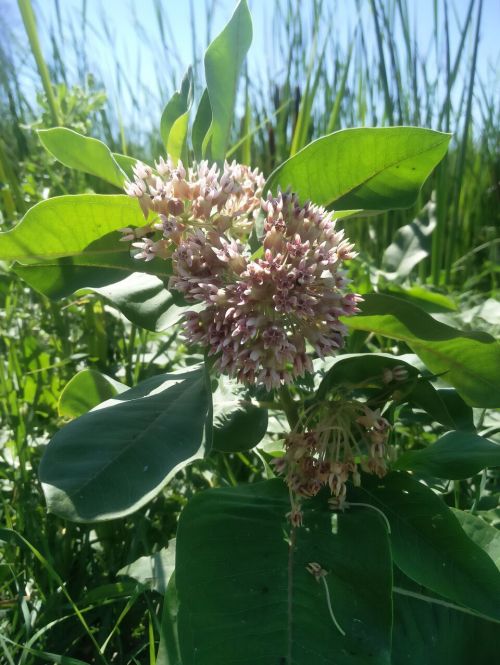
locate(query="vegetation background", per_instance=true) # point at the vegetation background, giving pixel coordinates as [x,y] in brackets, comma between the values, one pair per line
[106,70]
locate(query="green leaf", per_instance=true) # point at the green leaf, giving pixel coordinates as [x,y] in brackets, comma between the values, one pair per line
[223,61]
[143,299]
[426,631]
[422,296]
[71,242]
[461,414]
[82,153]
[239,424]
[455,456]
[365,168]
[467,360]
[411,245]
[245,593]
[126,164]
[62,278]
[174,119]
[114,459]
[85,390]
[429,545]
[70,226]
[201,125]
[351,371]
[485,536]
[436,404]
[154,571]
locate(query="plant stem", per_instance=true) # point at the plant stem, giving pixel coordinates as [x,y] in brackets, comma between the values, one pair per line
[289,406]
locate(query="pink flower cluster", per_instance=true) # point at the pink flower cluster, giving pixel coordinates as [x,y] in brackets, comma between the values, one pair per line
[333,451]
[260,312]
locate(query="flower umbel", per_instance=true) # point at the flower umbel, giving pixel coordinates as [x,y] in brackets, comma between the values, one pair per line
[261,311]
[330,448]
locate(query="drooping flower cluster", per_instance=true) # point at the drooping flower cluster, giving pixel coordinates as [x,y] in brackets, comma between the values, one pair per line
[352,437]
[259,311]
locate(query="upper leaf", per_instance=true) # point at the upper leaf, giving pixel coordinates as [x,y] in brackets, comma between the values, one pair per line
[363,169]
[115,458]
[223,61]
[174,119]
[82,153]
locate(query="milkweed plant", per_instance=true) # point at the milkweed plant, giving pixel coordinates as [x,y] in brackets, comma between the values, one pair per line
[340,540]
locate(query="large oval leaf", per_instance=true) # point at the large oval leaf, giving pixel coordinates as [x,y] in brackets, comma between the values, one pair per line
[82,153]
[223,61]
[117,457]
[454,456]
[245,593]
[363,169]
[430,546]
[467,360]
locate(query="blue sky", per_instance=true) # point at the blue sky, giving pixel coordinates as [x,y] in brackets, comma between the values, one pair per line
[127,32]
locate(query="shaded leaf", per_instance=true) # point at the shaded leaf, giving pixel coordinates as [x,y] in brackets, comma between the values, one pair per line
[428,632]
[430,546]
[467,360]
[239,424]
[483,534]
[454,456]
[352,370]
[201,126]
[174,119]
[114,459]
[247,597]
[435,403]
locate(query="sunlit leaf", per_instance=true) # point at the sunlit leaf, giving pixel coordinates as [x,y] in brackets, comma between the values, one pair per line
[82,153]
[365,168]
[86,390]
[223,61]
